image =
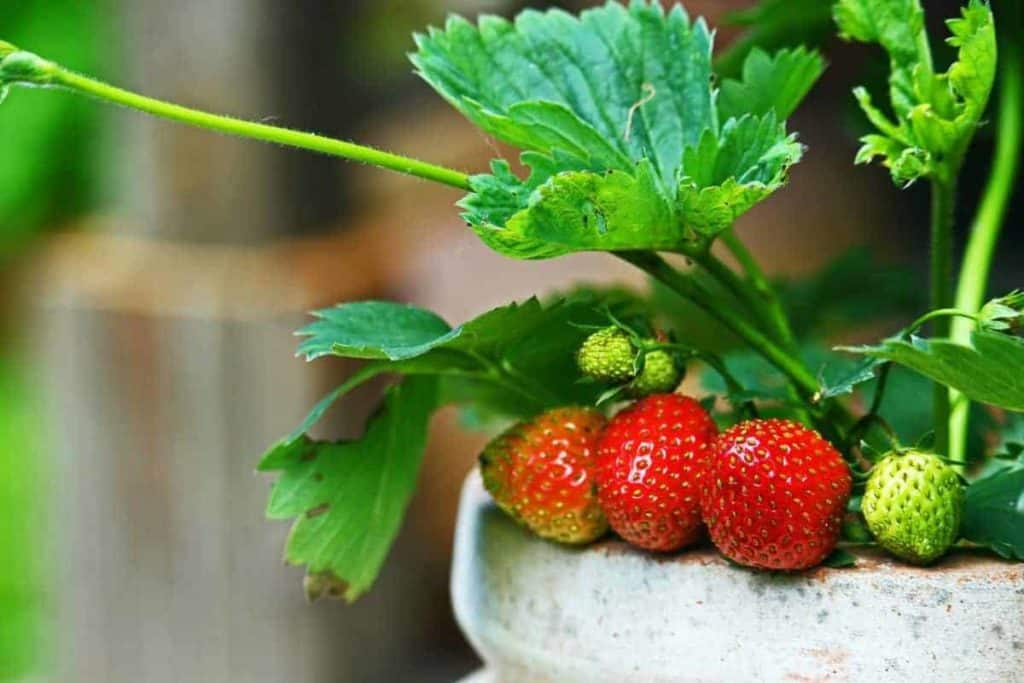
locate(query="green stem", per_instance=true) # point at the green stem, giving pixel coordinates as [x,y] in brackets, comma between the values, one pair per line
[740,289]
[947,314]
[943,199]
[26,68]
[988,223]
[686,287]
[762,285]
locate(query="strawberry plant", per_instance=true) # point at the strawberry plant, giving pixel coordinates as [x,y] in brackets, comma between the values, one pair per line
[636,142]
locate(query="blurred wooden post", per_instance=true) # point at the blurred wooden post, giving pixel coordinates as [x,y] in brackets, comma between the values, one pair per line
[170,368]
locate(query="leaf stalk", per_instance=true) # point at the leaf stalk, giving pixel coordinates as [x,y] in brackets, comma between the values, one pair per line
[25,68]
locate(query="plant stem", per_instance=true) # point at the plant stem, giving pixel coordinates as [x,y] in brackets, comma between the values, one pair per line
[988,223]
[762,285]
[739,288]
[948,314]
[943,199]
[61,77]
[686,287]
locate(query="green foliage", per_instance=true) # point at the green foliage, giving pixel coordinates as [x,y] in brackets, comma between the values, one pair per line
[23,529]
[513,361]
[761,380]
[617,119]
[773,24]
[994,512]
[936,114]
[373,329]
[984,370]
[849,292]
[349,498]
[1002,314]
[489,352]
[771,83]
[47,174]
[847,378]
[840,559]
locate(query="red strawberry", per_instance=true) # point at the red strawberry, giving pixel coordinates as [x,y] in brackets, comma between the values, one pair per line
[540,472]
[651,462]
[776,495]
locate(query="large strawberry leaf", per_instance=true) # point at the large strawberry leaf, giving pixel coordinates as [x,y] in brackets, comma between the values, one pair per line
[617,117]
[936,113]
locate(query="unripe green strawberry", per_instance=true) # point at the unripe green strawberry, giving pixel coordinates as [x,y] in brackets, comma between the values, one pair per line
[913,504]
[607,356]
[660,375]
[541,473]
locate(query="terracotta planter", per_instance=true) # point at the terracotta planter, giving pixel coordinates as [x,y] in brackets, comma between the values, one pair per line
[537,612]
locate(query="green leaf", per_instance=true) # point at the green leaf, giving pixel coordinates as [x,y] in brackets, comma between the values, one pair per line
[771,83]
[349,498]
[444,366]
[773,24]
[844,380]
[597,66]
[994,513]
[840,559]
[578,211]
[849,292]
[987,370]
[728,173]
[615,113]
[1003,313]
[899,27]
[514,360]
[936,114]
[373,329]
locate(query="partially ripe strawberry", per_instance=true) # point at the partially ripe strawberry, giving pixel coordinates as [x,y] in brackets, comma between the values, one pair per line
[651,462]
[541,472]
[775,495]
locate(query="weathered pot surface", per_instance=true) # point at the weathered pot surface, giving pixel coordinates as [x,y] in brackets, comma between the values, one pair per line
[538,612]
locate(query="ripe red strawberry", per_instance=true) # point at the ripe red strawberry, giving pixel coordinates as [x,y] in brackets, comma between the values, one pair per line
[775,495]
[540,472]
[652,459]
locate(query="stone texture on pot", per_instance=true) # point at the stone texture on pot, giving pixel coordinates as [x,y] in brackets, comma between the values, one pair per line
[539,613]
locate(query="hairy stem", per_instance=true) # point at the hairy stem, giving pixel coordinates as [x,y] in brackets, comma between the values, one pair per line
[29,69]
[943,199]
[794,369]
[988,223]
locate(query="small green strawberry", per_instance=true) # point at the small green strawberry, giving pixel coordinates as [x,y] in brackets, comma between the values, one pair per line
[607,356]
[660,375]
[913,504]
[541,473]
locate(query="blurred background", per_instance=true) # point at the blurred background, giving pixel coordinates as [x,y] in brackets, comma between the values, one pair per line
[150,278]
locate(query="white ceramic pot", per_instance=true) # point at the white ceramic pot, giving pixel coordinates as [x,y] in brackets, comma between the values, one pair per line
[537,612]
